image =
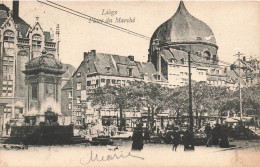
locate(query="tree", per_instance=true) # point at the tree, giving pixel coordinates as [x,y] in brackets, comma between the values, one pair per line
[119,97]
[150,95]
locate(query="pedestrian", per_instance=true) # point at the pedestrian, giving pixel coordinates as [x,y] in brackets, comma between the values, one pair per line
[224,143]
[208,132]
[137,138]
[7,126]
[158,129]
[175,140]
[146,136]
[188,140]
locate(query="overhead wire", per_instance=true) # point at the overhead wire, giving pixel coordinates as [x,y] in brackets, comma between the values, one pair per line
[98,21]
[88,17]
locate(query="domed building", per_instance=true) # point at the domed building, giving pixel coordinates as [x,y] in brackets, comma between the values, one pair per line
[171,42]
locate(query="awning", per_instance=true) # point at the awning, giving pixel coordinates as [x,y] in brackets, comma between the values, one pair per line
[244,119]
[231,120]
[163,115]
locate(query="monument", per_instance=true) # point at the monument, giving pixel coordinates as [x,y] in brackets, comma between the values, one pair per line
[43,78]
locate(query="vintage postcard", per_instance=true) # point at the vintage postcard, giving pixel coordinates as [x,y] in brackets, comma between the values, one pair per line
[129,83]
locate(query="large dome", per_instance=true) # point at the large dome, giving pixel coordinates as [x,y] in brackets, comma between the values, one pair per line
[183,27]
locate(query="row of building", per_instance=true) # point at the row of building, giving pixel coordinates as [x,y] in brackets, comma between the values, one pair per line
[167,65]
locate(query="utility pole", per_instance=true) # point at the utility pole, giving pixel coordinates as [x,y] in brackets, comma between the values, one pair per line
[239,85]
[190,96]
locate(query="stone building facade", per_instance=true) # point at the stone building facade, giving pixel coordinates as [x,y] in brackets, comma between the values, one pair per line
[19,43]
[98,70]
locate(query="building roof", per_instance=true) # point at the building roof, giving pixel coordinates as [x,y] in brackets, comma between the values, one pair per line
[171,55]
[21,24]
[149,70]
[183,27]
[109,64]
[69,69]
[43,63]
[115,65]
[68,84]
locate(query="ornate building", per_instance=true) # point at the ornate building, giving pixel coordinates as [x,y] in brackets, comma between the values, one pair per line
[43,80]
[19,43]
[172,40]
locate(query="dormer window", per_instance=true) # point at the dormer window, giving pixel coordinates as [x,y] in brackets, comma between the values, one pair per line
[182,61]
[79,74]
[88,70]
[107,69]
[214,57]
[130,72]
[199,38]
[225,70]
[207,55]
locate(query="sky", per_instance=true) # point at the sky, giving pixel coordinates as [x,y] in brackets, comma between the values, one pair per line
[236,25]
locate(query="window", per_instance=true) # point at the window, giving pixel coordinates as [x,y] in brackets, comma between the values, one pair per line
[130,72]
[78,100]
[207,55]
[70,94]
[214,57]
[70,106]
[78,86]
[88,83]
[78,74]
[107,69]
[36,42]
[108,82]
[10,93]
[5,68]
[34,91]
[113,81]
[88,70]
[217,71]
[182,61]
[102,80]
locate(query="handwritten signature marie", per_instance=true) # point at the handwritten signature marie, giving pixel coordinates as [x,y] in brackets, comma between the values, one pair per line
[95,157]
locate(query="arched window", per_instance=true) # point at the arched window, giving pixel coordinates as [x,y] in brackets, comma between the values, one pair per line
[8,39]
[207,55]
[36,42]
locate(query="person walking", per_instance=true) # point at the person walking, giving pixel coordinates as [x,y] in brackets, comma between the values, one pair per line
[137,138]
[208,132]
[147,136]
[7,127]
[175,140]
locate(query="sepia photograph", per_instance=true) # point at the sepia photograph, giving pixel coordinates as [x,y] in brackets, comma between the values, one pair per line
[129,83]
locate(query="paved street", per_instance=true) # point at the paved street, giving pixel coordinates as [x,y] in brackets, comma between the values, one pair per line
[244,154]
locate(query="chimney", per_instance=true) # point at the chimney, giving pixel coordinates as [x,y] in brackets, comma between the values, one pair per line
[244,58]
[86,55]
[93,52]
[15,9]
[132,58]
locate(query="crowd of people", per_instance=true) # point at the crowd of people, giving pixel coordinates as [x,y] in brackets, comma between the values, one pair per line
[215,135]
